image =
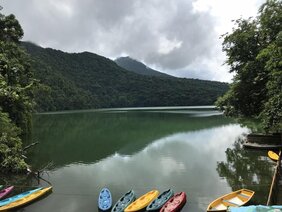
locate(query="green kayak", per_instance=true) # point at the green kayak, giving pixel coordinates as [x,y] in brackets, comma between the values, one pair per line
[160,200]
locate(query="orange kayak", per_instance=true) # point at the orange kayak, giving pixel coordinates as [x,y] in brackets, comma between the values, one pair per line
[272,155]
[143,201]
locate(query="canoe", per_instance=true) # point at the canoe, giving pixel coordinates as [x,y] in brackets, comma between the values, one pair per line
[143,201]
[272,155]
[17,197]
[175,203]
[262,146]
[105,200]
[274,138]
[6,191]
[26,199]
[263,141]
[234,199]
[124,201]
[160,201]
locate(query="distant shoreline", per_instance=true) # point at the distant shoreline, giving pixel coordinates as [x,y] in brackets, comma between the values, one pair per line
[128,109]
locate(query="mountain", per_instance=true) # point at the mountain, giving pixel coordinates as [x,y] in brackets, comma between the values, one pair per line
[85,80]
[138,67]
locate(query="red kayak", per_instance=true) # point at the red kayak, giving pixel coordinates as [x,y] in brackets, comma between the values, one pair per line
[175,203]
[6,191]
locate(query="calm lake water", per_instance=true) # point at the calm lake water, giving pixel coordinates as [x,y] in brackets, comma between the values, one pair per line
[190,149]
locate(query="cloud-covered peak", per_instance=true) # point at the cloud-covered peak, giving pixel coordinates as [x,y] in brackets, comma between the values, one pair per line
[167,34]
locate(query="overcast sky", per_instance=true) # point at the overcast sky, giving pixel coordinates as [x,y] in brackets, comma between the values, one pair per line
[179,37]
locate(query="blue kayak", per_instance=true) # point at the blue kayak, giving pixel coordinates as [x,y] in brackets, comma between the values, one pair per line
[160,200]
[105,199]
[124,201]
[256,208]
[17,197]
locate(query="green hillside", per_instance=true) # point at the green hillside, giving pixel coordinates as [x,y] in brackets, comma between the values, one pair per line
[86,80]
[138,67]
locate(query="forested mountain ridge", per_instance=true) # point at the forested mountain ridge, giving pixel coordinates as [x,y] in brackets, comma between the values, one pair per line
[137,67]
[86,80]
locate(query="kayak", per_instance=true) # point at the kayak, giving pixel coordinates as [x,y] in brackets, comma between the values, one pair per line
[235,199]
[160,201]
[105,199]
[6,191]
[175,203]
[256,208]
[17,197]
[272,155]
[26,199]
[142,202]
[124,201]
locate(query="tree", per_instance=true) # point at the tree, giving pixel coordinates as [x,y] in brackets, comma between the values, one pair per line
[253,52]
[272,112]
[16,101]
[16,78]
[10,146]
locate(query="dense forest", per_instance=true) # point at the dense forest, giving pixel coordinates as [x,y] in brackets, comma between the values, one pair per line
[254,53]
[86,80]
[137,67]
[16,98]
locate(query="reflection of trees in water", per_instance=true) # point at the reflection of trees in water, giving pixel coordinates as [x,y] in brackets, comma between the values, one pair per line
[20,182]
[101,134]
[247,169]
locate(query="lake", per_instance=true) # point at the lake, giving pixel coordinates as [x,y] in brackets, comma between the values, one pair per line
[190,149]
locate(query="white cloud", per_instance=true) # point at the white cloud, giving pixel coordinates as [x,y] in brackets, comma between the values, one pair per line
[178,37]
[227,10]
[166,46]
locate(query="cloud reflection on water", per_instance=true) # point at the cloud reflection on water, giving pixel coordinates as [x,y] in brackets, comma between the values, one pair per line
[182,161]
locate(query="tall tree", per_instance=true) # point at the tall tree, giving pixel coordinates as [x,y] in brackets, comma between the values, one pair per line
[15,74]
[254,54]
[10,146]
[16,84]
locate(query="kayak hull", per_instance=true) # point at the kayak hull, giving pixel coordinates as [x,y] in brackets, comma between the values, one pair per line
[142,202]
[17,197]
[272,155]
[124,201]
[26,199]
[175,203]
[160,200]
[6,191]
[105,200]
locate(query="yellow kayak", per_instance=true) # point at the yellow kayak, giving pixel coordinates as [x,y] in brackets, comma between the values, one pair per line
[143,201]
[27,199]
[272,155]
[234,199]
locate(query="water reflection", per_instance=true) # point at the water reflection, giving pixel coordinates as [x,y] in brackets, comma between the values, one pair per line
[247,169]
[139,150]
[89,137]
[181,161]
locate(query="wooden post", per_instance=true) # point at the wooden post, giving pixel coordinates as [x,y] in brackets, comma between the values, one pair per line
[274,180]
